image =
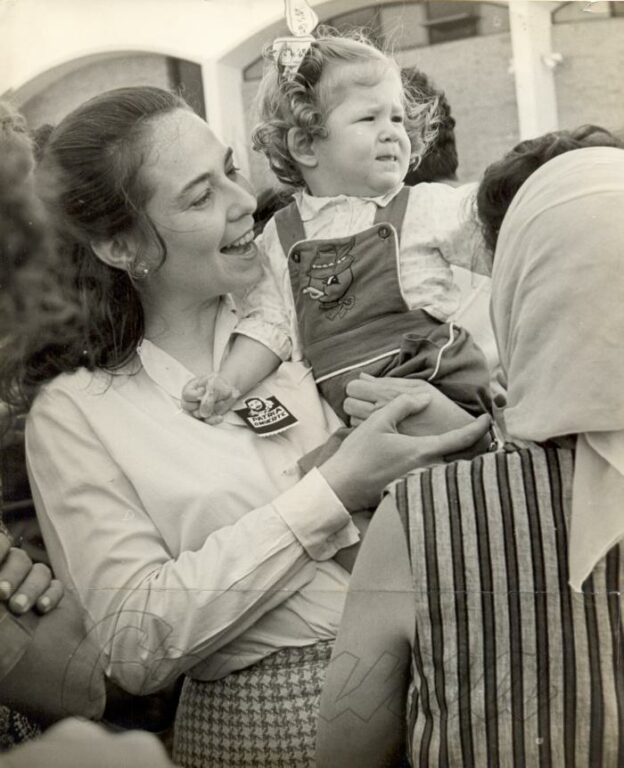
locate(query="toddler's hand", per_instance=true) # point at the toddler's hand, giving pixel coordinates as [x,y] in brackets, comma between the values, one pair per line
[218,398]
[192,395]
[209,397]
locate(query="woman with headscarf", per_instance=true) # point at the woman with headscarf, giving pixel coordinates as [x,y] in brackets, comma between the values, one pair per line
[483,623]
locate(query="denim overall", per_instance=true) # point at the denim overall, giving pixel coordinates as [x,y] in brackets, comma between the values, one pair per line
[352,315]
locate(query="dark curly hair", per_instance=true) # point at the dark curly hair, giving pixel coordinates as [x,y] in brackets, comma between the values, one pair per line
[305,101]
[90,178]
[504,178]
[439,163]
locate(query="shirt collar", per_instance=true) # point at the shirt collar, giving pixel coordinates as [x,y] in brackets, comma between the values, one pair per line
[167,372]
[310,206]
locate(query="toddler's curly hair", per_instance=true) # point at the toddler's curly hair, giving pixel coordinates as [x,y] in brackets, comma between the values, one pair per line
[305,101]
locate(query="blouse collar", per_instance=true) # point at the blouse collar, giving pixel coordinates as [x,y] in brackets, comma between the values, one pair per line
[167,372]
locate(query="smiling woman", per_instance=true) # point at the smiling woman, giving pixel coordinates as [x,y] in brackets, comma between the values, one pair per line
[205,218]
[202,210]
[194,548]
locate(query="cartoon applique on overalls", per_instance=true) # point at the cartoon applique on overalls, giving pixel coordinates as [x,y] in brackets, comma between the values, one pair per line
[346,290]
[352,315]
[330,277]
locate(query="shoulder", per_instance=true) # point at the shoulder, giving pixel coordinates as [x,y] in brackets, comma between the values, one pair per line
[433,198]
[80,386]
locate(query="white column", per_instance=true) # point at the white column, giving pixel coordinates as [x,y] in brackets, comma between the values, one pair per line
[533,63]
[224,108]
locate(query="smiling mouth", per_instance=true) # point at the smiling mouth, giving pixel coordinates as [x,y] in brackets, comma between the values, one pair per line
[242,246]
[387,158]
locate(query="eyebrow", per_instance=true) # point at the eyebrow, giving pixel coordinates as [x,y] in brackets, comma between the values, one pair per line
[207,175]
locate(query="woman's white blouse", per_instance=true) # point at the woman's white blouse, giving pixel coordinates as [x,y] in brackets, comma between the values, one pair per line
[191,546]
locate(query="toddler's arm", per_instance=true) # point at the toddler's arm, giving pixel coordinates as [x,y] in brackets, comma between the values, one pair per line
[210,397]
[453,223]
[465,246]
[262,340]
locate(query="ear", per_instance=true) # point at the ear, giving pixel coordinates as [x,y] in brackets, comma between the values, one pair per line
[301,148]
[118,252]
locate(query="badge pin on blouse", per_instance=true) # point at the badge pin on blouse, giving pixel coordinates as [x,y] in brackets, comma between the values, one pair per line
[289,52]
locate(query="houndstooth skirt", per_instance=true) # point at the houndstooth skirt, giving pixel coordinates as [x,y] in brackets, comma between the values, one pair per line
[264,715]
[15,728]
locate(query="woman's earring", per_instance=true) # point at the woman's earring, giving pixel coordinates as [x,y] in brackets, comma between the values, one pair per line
[142,270]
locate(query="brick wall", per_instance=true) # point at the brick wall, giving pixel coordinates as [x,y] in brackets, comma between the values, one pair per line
[474,75]
[590,80]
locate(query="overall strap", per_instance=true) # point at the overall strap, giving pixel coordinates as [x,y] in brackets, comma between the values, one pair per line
[394,212]
[289,227]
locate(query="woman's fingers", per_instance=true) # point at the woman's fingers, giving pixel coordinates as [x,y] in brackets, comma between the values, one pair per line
[13,571]
[365,388]
[358,410]
[51,597]
[34,585]
[23,584]
[5,546]
[398,409]
[367,394]
[438,446]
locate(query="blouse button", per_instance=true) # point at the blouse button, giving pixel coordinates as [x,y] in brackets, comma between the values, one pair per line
[384,232]
[295,256]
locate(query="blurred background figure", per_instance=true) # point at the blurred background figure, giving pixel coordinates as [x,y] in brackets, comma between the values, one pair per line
[39,631]
[440,161]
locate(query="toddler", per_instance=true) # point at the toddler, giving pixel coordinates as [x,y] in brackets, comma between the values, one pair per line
[358,276]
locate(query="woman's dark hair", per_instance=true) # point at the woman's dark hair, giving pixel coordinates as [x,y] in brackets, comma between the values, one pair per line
[90,177]
[504,178]
[270,201]
[40,137]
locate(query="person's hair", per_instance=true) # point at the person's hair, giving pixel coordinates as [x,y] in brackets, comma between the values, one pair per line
[270,201]
[502,179]
[94,158]
[439,163]
[40,137]
[306,100]
[35,305]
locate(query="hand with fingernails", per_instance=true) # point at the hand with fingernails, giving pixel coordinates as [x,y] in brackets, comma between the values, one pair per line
[24,584]
[375,452]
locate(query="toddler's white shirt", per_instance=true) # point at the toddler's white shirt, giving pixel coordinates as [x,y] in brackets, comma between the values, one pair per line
[440,230]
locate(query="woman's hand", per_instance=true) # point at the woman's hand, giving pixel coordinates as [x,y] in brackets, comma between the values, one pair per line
[376,453]
[24,585]
[367,394]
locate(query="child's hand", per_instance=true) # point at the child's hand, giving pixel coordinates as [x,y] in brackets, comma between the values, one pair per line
[192,394]
[219,397]
[209,397]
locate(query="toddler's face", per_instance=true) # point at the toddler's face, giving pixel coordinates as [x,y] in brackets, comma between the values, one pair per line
[366,152]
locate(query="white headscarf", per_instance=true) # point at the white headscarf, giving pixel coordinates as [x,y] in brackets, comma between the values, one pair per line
[558,315]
